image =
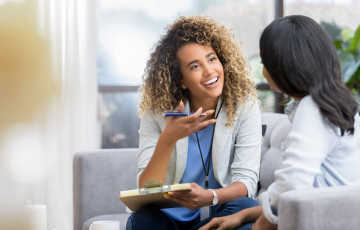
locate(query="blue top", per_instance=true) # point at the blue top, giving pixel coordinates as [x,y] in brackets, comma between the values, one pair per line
[194,171]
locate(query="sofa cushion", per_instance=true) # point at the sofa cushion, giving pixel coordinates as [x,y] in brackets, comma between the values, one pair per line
[278,127]
[99,176]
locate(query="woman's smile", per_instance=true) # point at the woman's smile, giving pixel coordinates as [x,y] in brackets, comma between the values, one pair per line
[213,82]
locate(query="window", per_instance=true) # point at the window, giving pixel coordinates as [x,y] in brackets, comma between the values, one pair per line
[128,31]
[342,12]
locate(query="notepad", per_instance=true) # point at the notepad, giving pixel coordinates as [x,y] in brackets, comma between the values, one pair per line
[137,198]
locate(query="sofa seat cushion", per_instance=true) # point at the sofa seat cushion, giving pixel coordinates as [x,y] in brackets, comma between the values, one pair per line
[117,217]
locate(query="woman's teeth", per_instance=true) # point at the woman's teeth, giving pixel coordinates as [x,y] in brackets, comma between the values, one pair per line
[210,81]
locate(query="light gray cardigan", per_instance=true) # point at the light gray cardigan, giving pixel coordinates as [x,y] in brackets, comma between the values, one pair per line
[236,150]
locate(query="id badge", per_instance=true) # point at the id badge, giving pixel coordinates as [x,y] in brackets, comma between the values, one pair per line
[204,212]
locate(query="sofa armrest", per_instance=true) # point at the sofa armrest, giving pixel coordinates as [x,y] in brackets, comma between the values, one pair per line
[98,178]
[320,208]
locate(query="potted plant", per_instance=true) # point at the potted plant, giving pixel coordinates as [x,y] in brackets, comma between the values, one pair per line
[347,43]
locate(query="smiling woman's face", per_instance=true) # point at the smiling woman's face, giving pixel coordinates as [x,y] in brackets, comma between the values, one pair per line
[202,71]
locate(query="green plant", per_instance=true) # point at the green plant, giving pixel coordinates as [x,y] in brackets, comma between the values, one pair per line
[347,43]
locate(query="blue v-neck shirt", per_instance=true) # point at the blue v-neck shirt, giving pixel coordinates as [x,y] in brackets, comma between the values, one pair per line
[194,171]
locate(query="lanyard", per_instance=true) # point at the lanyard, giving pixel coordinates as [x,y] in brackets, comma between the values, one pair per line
[202,158]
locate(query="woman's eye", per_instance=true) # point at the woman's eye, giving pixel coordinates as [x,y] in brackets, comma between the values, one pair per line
[212,59]
[194,67]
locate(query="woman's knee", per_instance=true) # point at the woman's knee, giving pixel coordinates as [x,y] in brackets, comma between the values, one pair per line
[147,216]
[243,203]
[249,202]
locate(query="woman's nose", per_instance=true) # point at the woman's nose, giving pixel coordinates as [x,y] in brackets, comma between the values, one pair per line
[208,70]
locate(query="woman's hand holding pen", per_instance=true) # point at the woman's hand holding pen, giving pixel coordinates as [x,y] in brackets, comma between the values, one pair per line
[196,198]
[180,127]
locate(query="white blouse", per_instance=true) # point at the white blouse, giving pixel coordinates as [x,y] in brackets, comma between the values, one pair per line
[316,155]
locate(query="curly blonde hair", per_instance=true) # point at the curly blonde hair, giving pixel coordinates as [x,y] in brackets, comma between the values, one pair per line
[161,89]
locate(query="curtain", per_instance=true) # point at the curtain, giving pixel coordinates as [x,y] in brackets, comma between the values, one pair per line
[36,154]
[71,124]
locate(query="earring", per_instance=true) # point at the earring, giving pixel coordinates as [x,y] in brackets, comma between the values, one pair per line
[183,86]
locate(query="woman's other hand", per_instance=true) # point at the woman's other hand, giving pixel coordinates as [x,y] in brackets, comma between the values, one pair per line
[224,223]
[196,198]
[263,224]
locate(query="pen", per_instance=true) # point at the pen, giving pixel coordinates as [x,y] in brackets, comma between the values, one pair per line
[178,114]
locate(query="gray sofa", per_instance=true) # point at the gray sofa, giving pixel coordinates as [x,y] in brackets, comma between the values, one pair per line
[99,175]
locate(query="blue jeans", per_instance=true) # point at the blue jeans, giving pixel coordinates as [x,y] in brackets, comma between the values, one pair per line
[151,217]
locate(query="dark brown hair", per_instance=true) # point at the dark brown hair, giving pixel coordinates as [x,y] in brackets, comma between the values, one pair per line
[302,60]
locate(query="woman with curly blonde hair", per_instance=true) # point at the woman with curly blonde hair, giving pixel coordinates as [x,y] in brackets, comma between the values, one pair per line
[197,67]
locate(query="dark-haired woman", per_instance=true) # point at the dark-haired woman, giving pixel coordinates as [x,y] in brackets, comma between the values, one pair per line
[323,146]
[198,64]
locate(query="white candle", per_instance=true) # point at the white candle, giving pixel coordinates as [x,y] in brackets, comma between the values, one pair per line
[35,217]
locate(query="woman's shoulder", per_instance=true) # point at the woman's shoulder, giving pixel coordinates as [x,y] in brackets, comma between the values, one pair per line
[306,106]
[151,116]
[151,113]
[249,108]
[307,110]
[248,105]
[308,115]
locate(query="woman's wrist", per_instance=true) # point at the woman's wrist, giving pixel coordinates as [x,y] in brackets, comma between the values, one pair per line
[167,139]
[209,198]
[239,217]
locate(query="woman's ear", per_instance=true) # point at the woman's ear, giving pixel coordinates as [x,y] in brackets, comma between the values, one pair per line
[183,86]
